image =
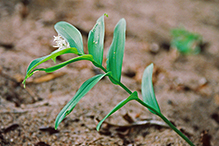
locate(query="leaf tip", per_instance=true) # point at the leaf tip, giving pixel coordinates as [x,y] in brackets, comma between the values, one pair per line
[24,83]
[99,125]
[57,122]
[54,59]
[151,65]
[123,20]
[58,23]
[105,14]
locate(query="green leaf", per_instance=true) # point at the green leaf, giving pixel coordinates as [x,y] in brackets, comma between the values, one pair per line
[41,60]
[96,40]
[71,35]
[116,51]
[82,91]
[60,65]
[133,96]
[148,90]
[186,42]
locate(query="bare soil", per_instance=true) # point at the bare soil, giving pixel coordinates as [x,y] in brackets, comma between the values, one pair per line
[186,87]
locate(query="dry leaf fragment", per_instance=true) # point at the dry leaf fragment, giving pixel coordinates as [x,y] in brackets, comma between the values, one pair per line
[47,77]
[18,77]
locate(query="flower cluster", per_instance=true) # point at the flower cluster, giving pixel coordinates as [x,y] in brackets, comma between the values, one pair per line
[60,42]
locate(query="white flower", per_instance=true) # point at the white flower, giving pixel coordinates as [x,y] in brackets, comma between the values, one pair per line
[60,42]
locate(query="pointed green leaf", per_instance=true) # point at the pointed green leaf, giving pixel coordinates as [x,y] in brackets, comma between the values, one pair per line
[71,34]
[148,90]
[96,40]
[133,96]
[41,60]
[82,91]
[116,51]
[60,65]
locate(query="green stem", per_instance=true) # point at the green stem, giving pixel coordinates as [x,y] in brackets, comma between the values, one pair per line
[99,66]
[166,121]
[124,87]
[119,83]
[175,129]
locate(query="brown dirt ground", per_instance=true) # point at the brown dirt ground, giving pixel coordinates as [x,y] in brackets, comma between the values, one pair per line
[187,87]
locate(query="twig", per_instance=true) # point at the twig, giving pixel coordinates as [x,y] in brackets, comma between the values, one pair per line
[13,112]
[139,123]
[92,142]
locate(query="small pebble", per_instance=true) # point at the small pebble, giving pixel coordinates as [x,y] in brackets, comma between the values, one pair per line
[54,137]
[203,81]
[154,48]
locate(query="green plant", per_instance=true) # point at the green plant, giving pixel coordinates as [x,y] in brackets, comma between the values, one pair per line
[186,42]
[72,43]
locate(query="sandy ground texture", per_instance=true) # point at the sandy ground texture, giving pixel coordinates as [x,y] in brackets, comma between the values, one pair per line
[187,87]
